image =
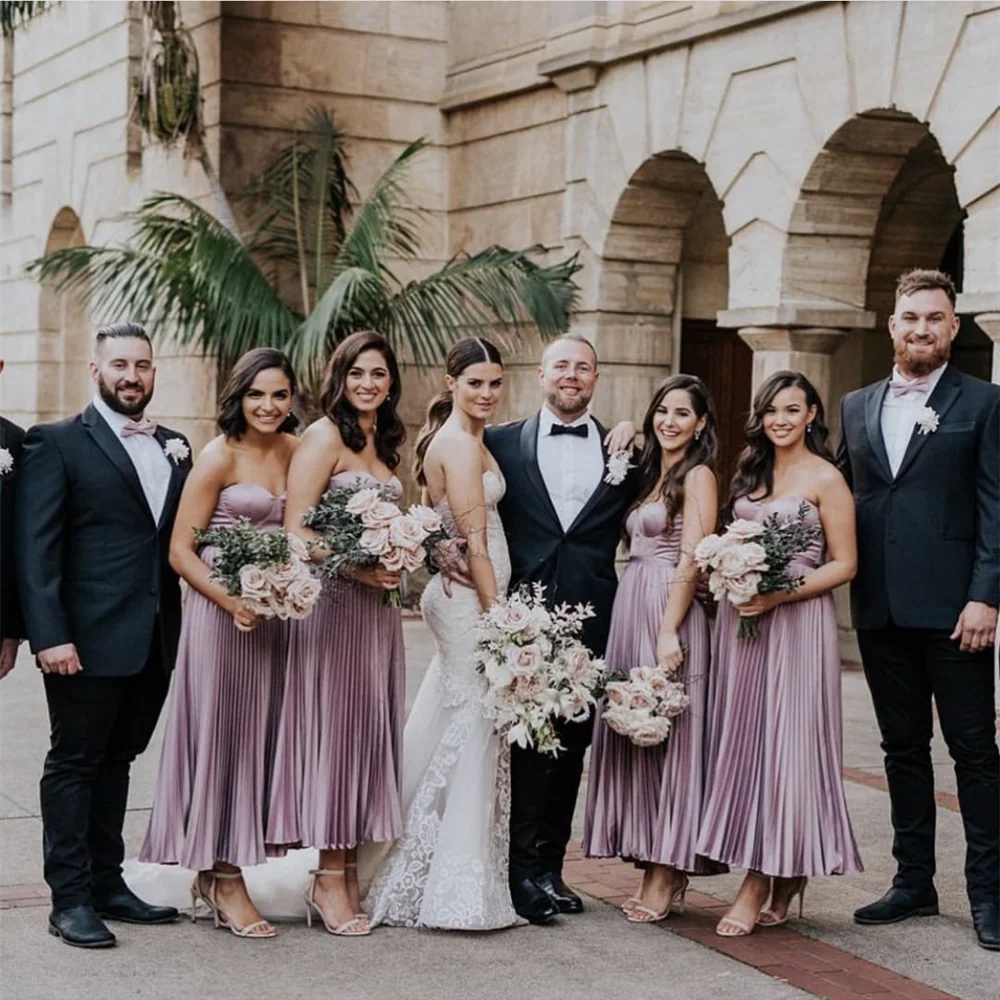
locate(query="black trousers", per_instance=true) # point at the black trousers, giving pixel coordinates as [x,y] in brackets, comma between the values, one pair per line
[543,799]
[906,669]
[99,725]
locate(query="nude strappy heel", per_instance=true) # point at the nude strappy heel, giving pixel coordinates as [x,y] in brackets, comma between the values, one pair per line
[210,900]
[768,918]
[355,927]
[639,914]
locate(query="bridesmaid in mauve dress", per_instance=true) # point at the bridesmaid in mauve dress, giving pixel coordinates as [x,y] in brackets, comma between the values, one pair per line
[775,803]
[339,769]
[644,803]
[210,804]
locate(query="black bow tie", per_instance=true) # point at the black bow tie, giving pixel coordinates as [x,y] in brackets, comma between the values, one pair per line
[577,430]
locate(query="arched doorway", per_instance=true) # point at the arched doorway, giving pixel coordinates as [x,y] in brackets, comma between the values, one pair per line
[63,332]
[664,277]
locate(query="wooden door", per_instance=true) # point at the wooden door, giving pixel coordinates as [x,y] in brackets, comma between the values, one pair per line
[725,364]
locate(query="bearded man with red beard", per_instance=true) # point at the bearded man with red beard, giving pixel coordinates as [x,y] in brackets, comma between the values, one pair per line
[921,451]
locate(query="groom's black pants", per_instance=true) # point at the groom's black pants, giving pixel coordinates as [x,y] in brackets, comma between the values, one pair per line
[906,670]
[543,799]
[99,725]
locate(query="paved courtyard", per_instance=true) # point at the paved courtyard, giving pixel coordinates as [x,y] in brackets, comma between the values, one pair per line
[595,955]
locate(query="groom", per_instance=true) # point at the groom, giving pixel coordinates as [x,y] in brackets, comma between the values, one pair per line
[96,499]
[563,524]
[921,451]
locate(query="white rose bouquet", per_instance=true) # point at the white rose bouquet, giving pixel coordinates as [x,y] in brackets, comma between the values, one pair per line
[366,527]
[642,704]
[752,557]
[537,669]
[269,570]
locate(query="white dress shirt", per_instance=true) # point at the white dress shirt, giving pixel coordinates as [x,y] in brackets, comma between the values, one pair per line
[148,457]
[571,467]
[899,416]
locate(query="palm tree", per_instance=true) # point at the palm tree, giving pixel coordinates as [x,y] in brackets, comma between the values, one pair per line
[312,270]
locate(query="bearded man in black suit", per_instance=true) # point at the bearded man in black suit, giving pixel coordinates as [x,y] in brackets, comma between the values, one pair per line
[11,622]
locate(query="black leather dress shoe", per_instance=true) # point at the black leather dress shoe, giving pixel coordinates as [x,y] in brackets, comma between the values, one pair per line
[566,900]
[126,906]
[531,902]
[81,927]
[899,904]
[986,920]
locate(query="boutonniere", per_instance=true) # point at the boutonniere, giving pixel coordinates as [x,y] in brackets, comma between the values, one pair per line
[618,465]
[927,420]
[6,461]
[176,450]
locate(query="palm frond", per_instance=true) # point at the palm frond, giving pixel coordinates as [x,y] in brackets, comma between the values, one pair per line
[14,13]
[472,293]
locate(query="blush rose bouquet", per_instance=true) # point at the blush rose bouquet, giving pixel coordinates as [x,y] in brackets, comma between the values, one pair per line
[754,557]
[536,668]
[642,704]
[269,570]
[367,527]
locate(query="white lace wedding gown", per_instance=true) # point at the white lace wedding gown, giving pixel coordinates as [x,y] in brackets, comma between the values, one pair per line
[449,870]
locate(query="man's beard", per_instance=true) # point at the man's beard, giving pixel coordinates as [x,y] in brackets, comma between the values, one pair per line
[125,409]
[925,365]
[566,408]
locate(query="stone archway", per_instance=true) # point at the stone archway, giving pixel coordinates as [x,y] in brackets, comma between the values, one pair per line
[63,333]
[664,276]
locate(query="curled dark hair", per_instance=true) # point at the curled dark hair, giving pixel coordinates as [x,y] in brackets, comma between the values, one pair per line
[390,432]
[231,420]
[464,354]
[701,450]
[755,467]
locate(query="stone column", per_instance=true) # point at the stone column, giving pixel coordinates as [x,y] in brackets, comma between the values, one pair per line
[990,322]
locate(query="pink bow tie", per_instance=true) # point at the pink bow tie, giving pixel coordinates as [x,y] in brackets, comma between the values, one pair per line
[900,386]
[134,427]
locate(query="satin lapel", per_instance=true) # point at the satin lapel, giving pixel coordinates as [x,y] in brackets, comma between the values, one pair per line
[529,455]
[945,393]
[873,423]
[176,479]
[602,487]
[109,443]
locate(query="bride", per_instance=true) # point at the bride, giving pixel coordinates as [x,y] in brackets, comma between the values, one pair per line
[449,870]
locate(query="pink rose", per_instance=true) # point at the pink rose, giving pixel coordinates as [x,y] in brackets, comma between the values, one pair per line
[706,550]
[374,541]
[659,684]
[742,589]
[362,502]
[649,732]
[380,515]
[511,617]
[253,583]
[641,675]
[744,530]
[617,720]
[428,518]
[525,660]
[642,700]
[406,532]
[675,701]
[578,662]
[392,560]
[618,694]
[413,559]
[302,596]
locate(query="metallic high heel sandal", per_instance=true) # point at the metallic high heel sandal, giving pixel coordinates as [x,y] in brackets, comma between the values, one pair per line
[355,927]
[639,914]
[768,918]
[353,866]
[198,895]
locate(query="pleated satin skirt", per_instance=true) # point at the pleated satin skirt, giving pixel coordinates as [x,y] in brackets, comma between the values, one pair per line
[338,767]
[214,782]
[775,797]
[645,803]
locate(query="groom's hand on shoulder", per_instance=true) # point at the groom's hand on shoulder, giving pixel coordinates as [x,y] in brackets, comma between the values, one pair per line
[976,627]
[60,660]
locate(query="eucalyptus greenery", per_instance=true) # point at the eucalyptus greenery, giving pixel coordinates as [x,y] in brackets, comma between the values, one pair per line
[242,544]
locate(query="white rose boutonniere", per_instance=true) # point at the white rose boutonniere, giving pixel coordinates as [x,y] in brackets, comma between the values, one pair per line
[927,421]
[176,450]
[618,465]
[6,461]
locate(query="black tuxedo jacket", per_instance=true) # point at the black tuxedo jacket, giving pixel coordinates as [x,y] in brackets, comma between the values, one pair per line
[11,623]
[92,563]
[928,538]
[575,566]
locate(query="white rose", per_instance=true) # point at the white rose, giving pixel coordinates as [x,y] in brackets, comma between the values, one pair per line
[618,694]
[649,732]
[741,589]
[643,700]
[744,530]
[641,675]
[429,519]
[374,541]
[406,532]
[511,617]
[706,550]
[380,515]
[524,660]
[674,701]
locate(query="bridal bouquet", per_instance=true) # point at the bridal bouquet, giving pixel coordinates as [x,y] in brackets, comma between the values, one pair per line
[751,558]
[269,570]
[537,669]
[366,527]
[643,703]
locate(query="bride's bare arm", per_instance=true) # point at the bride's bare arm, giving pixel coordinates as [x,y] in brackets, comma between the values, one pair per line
[461,463]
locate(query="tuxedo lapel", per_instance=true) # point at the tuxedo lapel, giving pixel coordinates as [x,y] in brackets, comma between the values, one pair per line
[941,400]
[529,456]
[176,476]
[601,491]
[106,439]
[873,423]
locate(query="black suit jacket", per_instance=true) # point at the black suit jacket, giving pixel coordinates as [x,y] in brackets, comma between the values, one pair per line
[928,538]
[11,623]
[575,566]
[92,563]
